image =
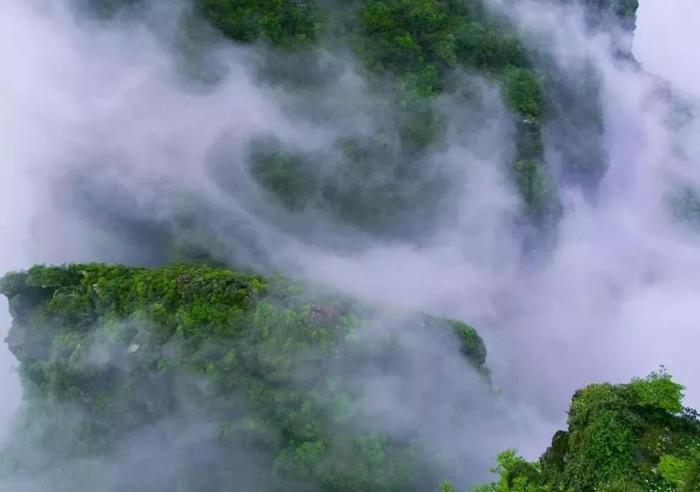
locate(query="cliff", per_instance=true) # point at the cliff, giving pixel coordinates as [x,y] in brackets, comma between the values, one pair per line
[633,437]
[386,177]
[262,378]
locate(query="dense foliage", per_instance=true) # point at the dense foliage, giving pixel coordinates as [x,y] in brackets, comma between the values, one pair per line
[372,186]
[281,22]
[268,368]
[383,171]
[634,437]
[412,50]
[264,378]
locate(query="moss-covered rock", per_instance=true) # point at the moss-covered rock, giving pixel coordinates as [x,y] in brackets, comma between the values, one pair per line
[268,364]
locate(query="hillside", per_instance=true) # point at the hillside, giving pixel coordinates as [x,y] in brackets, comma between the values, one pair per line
[259,382]
[631,437]
[507,163]
[403,68]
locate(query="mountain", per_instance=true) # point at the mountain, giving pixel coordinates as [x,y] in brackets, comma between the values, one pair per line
[216,380]
[196,359]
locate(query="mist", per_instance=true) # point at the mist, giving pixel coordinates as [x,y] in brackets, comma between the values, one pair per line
[664,29]
[105,133]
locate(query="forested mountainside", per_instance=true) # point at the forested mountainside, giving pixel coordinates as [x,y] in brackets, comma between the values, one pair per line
[427,72]
[196,362]
[249,383]
[625,437]
[260,383]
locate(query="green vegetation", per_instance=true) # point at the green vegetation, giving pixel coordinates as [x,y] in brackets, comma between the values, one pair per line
[359,182]
[536,186]
[423,42]
[289,177]
[625,437]
[626,8]
[411,49]
[283,23]
[274,370]
[272,367]
[412,52]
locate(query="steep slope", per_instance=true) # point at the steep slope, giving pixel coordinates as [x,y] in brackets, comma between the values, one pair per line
[634,437]
[420,46]
[427,72]
[235,382]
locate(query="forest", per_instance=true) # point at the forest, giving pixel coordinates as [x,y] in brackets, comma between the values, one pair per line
[197,360]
